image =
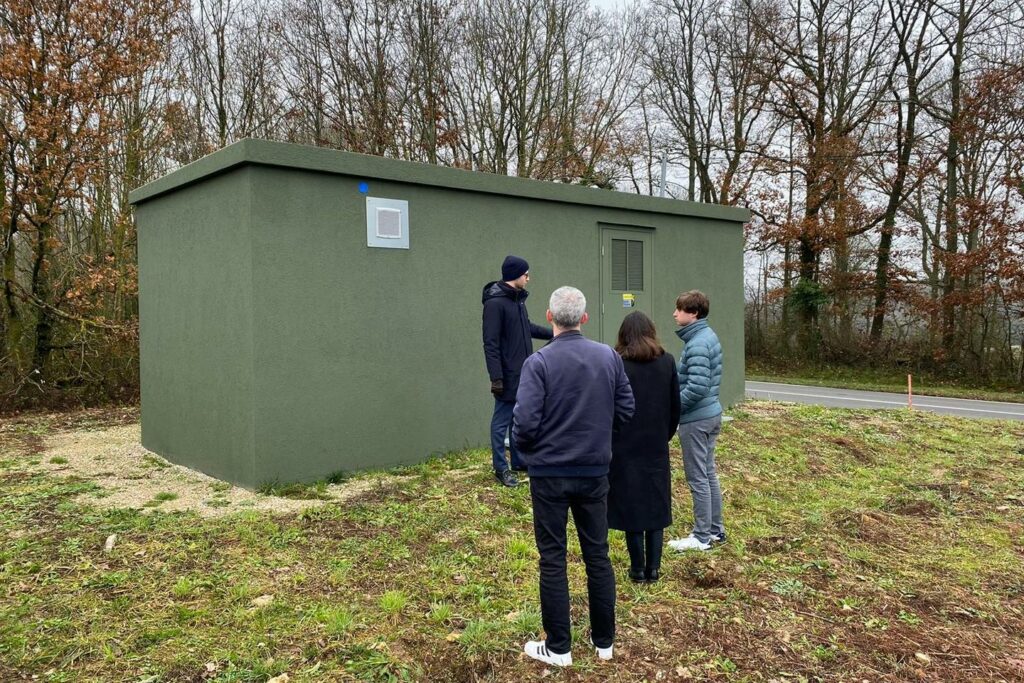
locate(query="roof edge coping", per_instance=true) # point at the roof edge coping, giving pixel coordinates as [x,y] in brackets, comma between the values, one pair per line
[303,157]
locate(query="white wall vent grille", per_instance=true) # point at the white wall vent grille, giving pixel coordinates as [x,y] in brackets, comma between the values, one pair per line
[387,223]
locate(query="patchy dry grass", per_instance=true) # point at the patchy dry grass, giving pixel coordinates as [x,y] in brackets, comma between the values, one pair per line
[863,545]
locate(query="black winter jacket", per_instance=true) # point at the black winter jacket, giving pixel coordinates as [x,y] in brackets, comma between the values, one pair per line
[507,333]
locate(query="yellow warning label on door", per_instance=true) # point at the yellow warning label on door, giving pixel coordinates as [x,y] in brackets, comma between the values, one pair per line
[628,300]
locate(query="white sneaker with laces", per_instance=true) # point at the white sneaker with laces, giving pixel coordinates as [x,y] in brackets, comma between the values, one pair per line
[691,542]
[538,649]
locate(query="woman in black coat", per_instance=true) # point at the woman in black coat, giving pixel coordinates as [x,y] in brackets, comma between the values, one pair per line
[640,497]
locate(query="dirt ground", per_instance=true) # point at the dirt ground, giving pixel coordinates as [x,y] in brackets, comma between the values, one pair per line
[132,477]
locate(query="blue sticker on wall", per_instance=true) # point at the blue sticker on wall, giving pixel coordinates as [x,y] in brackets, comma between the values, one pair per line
[364,187]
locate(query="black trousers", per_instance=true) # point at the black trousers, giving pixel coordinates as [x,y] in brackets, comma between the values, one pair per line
[587,497]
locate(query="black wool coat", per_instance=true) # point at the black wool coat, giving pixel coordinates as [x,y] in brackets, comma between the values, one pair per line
[640,478]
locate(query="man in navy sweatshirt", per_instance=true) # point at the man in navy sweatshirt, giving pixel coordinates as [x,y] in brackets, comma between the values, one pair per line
[571,394]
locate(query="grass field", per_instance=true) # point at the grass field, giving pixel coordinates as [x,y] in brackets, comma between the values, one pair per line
[863,546]
[875,379]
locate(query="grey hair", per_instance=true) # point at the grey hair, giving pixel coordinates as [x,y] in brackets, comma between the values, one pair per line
[567,306]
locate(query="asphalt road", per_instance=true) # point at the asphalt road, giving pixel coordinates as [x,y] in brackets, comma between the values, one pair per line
[851,398]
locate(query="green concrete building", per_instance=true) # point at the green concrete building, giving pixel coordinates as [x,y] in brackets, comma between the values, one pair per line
[305,311]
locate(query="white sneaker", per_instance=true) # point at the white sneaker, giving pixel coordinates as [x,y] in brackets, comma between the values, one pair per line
[538,649]
[604,652]
[691,542]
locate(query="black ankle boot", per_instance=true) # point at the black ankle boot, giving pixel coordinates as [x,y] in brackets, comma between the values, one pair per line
[637,561]
[653,541]
[651,575]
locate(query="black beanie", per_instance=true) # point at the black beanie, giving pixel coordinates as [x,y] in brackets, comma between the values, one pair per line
[513,267]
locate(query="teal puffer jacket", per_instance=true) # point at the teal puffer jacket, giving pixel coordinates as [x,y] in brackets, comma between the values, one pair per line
[700,372]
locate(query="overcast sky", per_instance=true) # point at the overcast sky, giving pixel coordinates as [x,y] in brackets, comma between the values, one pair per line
[608,4]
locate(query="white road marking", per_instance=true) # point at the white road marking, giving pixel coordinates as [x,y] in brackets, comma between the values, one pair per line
[917,404]
[804,386]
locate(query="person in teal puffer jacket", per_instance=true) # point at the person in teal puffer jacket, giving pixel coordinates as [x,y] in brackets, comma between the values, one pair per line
[700,419]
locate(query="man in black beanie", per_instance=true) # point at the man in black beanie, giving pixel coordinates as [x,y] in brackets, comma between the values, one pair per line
[508,335]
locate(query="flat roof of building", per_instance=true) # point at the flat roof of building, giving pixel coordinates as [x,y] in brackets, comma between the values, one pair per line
[323,160]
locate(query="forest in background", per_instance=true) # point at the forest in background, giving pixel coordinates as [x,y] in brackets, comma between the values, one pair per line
[878,143]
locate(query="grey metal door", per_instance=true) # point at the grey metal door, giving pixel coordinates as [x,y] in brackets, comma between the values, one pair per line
[626,276]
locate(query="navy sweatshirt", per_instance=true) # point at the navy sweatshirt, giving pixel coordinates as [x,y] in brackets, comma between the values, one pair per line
[571,394]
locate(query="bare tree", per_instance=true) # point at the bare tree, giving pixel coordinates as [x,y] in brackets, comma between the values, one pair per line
[917,56]
[703,76]
[830,70]
[430,37]
[227,64]
[966,28]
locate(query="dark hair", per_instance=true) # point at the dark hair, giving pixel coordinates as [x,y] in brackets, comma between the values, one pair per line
[694,301]
[638,339]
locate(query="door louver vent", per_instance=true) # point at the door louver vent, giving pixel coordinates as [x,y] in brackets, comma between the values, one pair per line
[627,265]
[635,265]
[619,265]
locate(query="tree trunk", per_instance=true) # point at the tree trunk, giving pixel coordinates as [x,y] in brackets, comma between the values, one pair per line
[808,309]
[905,149]
[41,291]
[7,245]
[11,343]
[949,280]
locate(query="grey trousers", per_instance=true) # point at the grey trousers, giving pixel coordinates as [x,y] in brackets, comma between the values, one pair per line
[697,440]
